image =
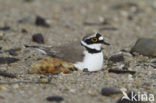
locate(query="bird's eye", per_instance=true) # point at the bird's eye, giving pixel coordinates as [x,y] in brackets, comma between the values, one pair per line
[94,39]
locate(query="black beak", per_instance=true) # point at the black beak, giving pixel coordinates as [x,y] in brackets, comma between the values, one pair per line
[105,43]
[81,43]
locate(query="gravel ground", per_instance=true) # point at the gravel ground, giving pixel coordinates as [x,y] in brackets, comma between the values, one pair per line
[120,22]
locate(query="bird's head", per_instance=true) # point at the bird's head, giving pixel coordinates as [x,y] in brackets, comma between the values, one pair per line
[93,42]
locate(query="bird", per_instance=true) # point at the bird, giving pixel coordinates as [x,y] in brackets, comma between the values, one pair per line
[93,56]
[85,54]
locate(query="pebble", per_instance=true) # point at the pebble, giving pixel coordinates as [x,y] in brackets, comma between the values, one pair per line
[28,0]
[43,80]
[92,93]
[108,91]
[5,74]
[118,71]
[16,86]
[124,6]
[8,60]
[72,90]
[124,13]
[3,88]
[24,31]
[2,36]
[54,99]
[153,63]
[26,20]
[5,28]
[12,52]
[38,38]
[101,21]
[41,22]
[145,46]
[117,58]
[4,69]
[108,28]
[130,77]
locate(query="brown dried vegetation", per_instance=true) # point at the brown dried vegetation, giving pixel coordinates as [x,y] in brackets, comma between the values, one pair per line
[52,65]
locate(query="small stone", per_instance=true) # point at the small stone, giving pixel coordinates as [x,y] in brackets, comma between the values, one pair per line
[41,22]
[124,6]
[96,22]
[26,20]
[2,88]
[85,70]
[117,58]
[24,31]
[101,99]
[119,71]
[2,36]
[16,86]
[72,90]
[145,46]
[109,91]
[8,60]
[124,13]
[3,69]
[5,74]
[153,77]
[43,80]
[92,93]
[28,0]
[12,52]
[153,63]
[54,99]
[130,77]
[108,29]
[38,38]
[5,28]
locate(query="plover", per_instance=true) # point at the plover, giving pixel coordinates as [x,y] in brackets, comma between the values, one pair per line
[88,55]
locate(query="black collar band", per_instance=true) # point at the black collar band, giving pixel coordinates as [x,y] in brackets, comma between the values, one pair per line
[92,51]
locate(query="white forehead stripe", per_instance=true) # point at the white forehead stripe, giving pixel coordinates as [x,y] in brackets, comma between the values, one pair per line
[92,46]
[91,36]
[101,38]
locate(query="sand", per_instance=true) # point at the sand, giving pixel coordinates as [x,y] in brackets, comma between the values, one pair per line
[120,22]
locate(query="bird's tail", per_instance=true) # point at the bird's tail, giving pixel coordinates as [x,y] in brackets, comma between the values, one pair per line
[40,49]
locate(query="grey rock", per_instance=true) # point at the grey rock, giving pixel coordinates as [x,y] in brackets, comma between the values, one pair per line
[108,91]
[145,46]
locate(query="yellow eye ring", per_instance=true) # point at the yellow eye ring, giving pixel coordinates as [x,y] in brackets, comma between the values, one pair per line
[94,39]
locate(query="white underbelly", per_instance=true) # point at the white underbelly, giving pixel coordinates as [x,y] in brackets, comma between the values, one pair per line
[92,62]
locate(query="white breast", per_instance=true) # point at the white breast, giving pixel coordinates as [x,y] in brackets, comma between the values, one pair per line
[92,62]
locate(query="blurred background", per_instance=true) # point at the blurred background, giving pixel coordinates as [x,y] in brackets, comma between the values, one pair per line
[120,22]
[56,22]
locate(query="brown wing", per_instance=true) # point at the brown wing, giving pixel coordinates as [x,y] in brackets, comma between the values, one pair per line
[71,52]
